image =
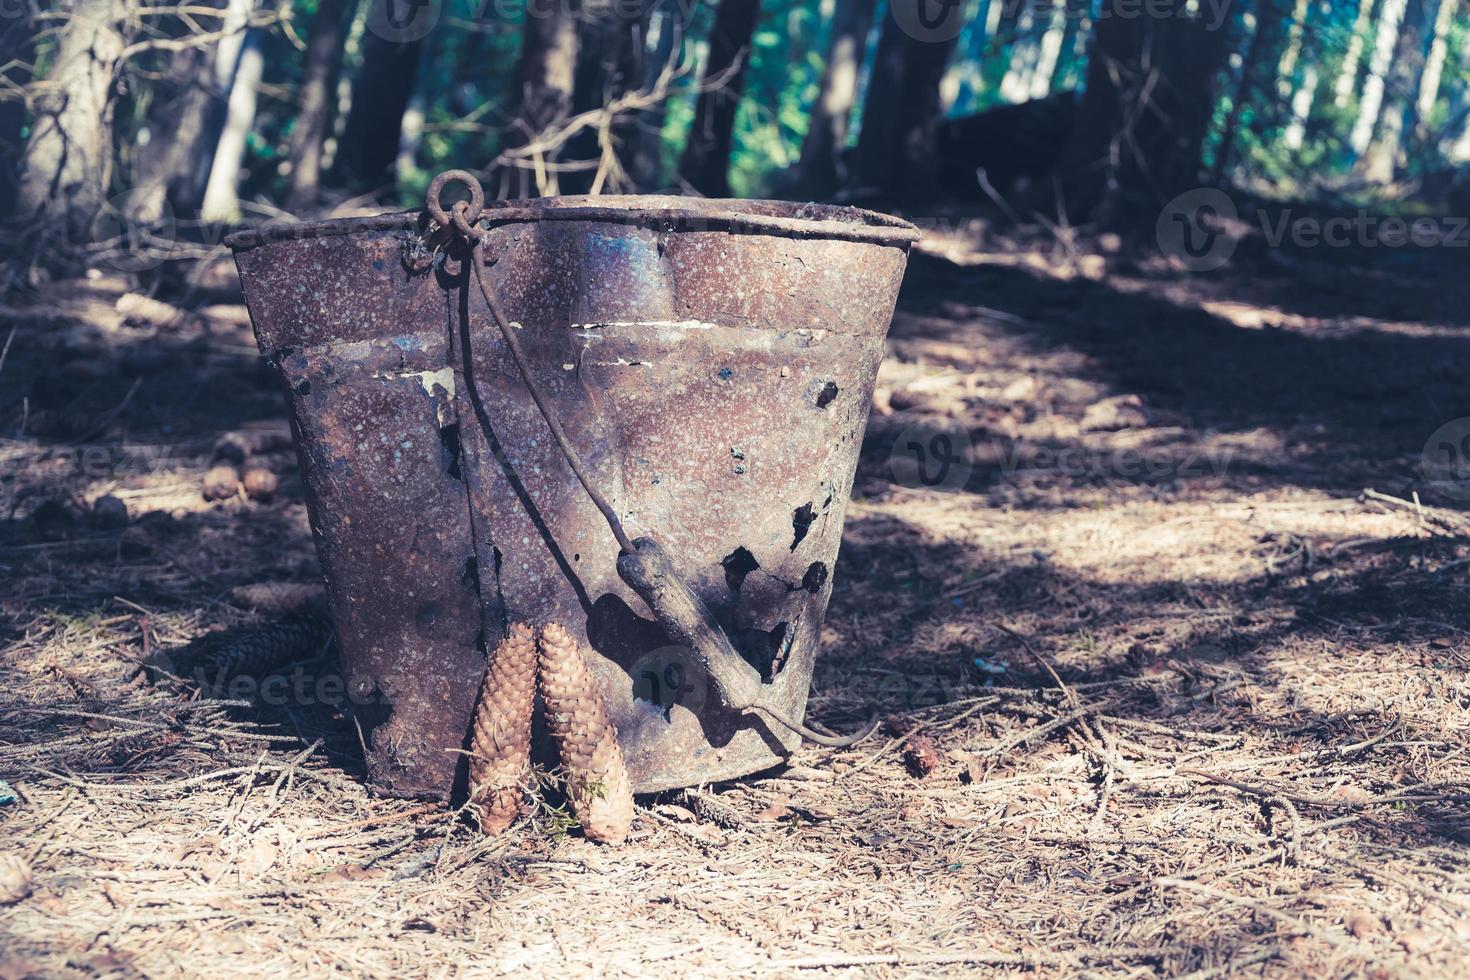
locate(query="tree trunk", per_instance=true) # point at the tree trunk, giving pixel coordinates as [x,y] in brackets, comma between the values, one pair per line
[821,167]
[184,120]
[706,163]
[544,78]
[1050,52]
[1017,80]
[1402,90]
[1301,108]
[896,155]
[1079,30]
[1347,75]
[1459,148]
[1371,102]
[222,193]
[1292,55]
[189,195]
[1249,87]
[666,29]
[1434,66]
[177,123]
[380,94]
[318,82]
[1002,19]
[611,66]
[964,79]
[1149,100]
[17,54]
[410,138]
[68,161]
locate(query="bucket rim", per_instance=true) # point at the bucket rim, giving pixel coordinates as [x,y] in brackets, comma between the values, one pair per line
[743,216]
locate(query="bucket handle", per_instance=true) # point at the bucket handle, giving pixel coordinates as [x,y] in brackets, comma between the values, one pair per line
[642,564]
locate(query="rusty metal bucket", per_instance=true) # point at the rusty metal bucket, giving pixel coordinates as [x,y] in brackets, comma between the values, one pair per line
[713,363]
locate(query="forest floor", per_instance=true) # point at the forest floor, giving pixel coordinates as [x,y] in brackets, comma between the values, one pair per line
[1198,704]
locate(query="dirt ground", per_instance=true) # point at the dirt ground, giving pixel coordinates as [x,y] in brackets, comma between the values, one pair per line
[1197,702]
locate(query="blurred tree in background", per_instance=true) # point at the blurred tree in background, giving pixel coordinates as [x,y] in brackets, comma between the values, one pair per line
[125,121]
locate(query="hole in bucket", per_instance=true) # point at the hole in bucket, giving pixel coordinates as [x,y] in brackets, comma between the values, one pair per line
[738,564]
[496,561]
[827,395]
[449,439]
[815,577]
[801,522]
[781,637]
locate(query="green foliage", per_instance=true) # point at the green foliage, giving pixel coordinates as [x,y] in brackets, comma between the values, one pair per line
[784,74]
[679,111]
[462,87]
[469,58]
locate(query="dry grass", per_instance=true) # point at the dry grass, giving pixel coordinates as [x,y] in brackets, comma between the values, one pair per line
[1206,721]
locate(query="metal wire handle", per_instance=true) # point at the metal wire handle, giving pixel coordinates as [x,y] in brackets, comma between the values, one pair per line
[642,564]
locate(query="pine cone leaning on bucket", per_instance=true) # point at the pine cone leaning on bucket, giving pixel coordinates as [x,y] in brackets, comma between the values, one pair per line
[597,779]
[500,742]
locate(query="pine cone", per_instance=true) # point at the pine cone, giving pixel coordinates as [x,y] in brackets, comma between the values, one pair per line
[597,780]
[275,598]
[500,742]
[15,879]
[258,652]
[260,484]
[220,482]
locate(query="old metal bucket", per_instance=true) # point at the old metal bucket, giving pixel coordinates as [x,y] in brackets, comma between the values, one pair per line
[712,361]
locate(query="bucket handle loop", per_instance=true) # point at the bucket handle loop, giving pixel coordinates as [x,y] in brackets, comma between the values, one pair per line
[642,564]
[463,218]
